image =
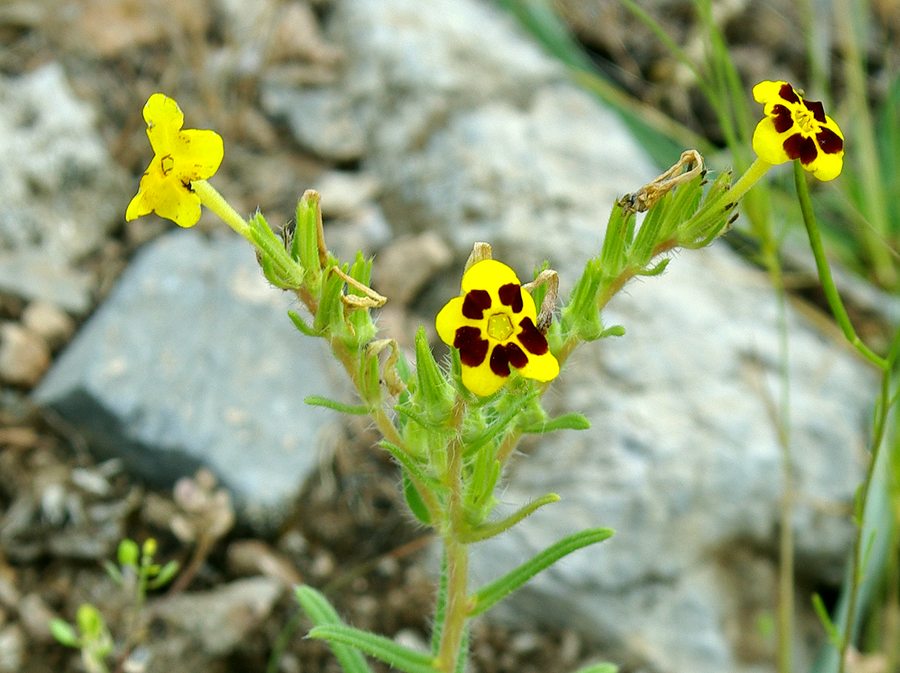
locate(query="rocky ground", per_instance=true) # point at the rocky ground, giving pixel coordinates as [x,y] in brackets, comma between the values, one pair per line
[63,510]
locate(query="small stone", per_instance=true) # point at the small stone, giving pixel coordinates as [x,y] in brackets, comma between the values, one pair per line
[344,193]
[223,618]
[35,616]
[411,639]
[49,321]
[12,649]
[409,263]
[24,355]
[253,557]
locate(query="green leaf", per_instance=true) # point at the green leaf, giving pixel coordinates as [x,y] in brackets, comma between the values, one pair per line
[834,637]
[324,615]
[128,553]
[379,647]
[433,390]
[414,500]
[305,245]
[614,331]
[491,594]
[90,622]
[64,633]
[302,326]
[599,668]
[113,571]
[573,421]
[352,409]
[494,528]
[165,575]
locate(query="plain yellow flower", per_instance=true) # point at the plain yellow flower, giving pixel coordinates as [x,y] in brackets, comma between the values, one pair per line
[493,324]
[794,128]
[179,158]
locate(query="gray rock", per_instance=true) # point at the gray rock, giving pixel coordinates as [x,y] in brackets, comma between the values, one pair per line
[475,135]
[218,621]
[192,361]
[61,194]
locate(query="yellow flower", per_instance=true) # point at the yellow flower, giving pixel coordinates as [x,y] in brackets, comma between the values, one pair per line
[492,323]
[794,128]
[179,158]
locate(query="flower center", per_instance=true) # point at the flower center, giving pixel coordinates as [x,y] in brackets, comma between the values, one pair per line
[499,327]
[805,120]
[167,163]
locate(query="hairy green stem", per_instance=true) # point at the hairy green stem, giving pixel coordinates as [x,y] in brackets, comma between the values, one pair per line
[457,555]
[211,198]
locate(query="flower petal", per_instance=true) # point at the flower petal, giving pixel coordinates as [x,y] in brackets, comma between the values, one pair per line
[198,153]
[768,143]
[488,274]
[826,166]
[768,92]
[164,120]
[448,319]
[481,380]
[175,202]
[541,367]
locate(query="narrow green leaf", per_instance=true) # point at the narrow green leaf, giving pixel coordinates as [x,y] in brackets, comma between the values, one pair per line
[599,668]
[383,649]
[573,421]
[499,589]
[614,331]
[352,409]
[64,633]
[165,575]
[323,614]
[834,637]
[491,529]
[302,326]
[414,500]
[113,571]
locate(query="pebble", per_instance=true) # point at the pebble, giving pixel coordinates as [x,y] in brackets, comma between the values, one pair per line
[35,616]
[419,258]
[24,355]
[344,193]
[12,649]
[49,321]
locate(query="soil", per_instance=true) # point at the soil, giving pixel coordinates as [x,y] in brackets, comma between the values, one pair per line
[62,512]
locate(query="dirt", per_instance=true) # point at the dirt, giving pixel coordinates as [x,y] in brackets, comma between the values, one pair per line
[62,513]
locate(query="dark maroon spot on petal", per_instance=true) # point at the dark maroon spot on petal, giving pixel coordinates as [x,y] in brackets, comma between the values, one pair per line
[800,147]
[531,338]
[829,141]
[472,348]
[787,93]
[475,304]
[816,108]
[782,118]
[511,295]
[516,355]
[500,360]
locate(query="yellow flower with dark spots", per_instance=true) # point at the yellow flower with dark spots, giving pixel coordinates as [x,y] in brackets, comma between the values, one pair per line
[794,128]
[493,324]
[179,158]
